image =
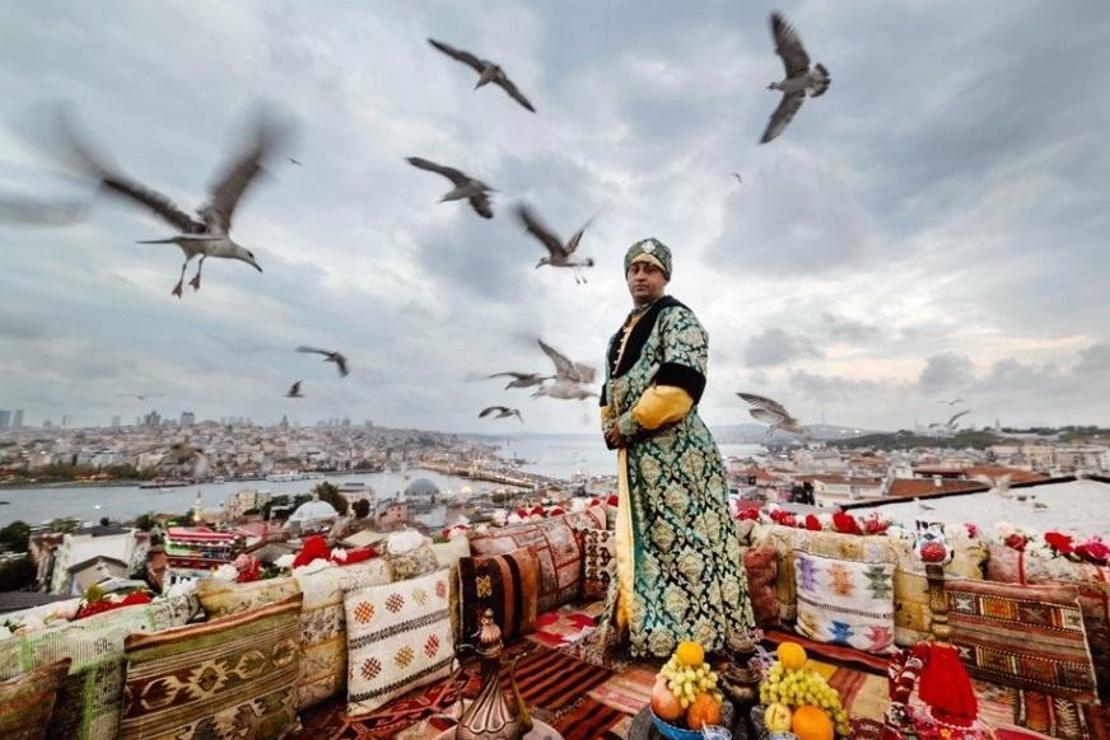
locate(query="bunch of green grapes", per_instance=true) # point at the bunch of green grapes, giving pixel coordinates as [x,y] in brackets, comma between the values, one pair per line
[686,682]
[796,688]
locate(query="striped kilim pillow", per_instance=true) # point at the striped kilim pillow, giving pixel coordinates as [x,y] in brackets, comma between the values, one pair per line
[398,639]
[1029,637]
[26,701]
[229,677]
[508,584]
[88,703]
[324,625]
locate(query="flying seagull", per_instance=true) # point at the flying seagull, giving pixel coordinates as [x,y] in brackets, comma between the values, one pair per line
[465,186]
[294,161]
[329,356]
[773,413]
[955,416]
[140,396]
[295,391]
[522,380]
[208,235]
[503,412]
[953,402]
[565,370]
[559,253]
[487,71]
[564,389]
[738,178]
[182,458]
[799,77]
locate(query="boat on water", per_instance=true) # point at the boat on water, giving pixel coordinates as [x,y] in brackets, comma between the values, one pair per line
[163,485]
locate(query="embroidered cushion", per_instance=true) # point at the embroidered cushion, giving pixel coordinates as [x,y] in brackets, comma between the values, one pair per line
[88,703]
[323,625]
[1028,637]
[448,555]
[844,602]
[1091,581]
[556,545]
[232,676]
[762,568]
[600,565]
[220,598]
[27,701]
[398,638]
[507,584]
[413,563]
[592,517]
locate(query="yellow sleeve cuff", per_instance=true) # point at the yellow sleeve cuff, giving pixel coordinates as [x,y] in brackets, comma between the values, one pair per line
[662,404]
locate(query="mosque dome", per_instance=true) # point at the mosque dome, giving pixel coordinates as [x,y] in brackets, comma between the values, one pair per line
[314,511]
[422,488]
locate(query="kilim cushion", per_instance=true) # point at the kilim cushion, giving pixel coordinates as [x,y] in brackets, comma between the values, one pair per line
[88,703]
[324,625]
[592,517]
[1093,583]
[600,562]
[220,598]
[762,569]
[507,584]
[27,701]
[557,547]
[398,639]
[912,618]
[448,555]
[233,676]
[413,563]
[844,602]
[1028,637]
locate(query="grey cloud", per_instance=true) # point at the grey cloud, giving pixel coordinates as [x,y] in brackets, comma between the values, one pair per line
[835,388]
[776,347]
[852,330]
[945,371]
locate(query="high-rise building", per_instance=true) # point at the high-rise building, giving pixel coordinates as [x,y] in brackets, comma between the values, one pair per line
[188,418]
[152,419]
[17,420]
[67,419]
[5,419]
[115,422]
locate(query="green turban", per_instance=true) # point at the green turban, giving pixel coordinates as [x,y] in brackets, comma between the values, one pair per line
[652,251]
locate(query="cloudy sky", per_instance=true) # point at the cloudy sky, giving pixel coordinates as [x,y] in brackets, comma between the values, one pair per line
[933,227]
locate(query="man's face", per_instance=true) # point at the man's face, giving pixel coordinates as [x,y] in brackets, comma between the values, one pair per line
[645,282]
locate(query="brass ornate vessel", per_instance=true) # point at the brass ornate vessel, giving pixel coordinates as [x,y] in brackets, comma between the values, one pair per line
[490,716]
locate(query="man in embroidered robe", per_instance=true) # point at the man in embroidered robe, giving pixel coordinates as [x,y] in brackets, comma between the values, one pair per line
[679,570]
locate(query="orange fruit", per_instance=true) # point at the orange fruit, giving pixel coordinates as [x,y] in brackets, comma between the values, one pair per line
[704,710]
[812,723]
[690,653]
[791,655]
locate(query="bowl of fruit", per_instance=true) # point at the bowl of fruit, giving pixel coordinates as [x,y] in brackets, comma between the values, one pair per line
[685,698]
[797,699]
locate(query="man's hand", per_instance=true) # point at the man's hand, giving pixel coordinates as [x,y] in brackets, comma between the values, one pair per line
[615,438]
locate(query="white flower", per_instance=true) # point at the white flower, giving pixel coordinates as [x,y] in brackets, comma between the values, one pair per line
[482,530]
[315,566]
[579,503]
[285,562]
[181,588]
[338,553]
[402,542]
[226,572]
[500,517]
[514,518]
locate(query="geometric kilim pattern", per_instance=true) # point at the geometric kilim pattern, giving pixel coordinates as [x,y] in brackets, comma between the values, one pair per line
[507,584]
[600,562]
[845,602]
[407,644]
[1027,637]
[235,675]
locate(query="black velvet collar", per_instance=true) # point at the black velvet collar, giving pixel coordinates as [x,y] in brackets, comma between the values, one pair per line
[639,336]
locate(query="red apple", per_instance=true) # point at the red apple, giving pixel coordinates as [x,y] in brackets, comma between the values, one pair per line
[663,702]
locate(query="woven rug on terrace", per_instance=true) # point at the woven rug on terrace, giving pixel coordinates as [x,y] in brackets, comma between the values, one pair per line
[554,684]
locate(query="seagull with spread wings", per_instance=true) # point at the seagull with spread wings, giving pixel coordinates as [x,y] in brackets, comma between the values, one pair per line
[773,413]
[467,187]
[799,77]
[952,421]
[559,253]
[295,391]
[208,235]
[487,71]
[140,396]
[503,412]
[564,389]
[329,356]
[522,380]
[565,370]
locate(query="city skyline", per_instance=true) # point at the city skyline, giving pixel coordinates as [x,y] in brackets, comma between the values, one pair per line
[923,231]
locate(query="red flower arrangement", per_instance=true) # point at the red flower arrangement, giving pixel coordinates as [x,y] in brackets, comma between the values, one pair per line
[1094,551]
[1059,542]
[106,603]
[874,525]
[813,524]
[749,515]
[972,529]
[1016,541]
[846,523]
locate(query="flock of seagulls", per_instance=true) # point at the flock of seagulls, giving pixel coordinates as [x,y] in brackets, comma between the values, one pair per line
[207,233]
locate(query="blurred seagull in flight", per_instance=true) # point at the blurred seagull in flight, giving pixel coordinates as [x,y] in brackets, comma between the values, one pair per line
[208,235]
[773,413]
[295,391]
[564,389]
[503,412]
[559,253]
[799,77]
[329,356]
[522,380]
[565,370]
[466,186]
[487,72]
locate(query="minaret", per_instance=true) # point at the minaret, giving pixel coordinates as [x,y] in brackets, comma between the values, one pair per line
[198,509]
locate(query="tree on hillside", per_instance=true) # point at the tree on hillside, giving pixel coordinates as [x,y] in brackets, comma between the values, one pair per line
[145,522]
[327,492]
[15,536]
[361,508]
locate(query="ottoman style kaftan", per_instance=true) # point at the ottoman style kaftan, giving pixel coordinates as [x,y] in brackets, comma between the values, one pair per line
[679,569]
